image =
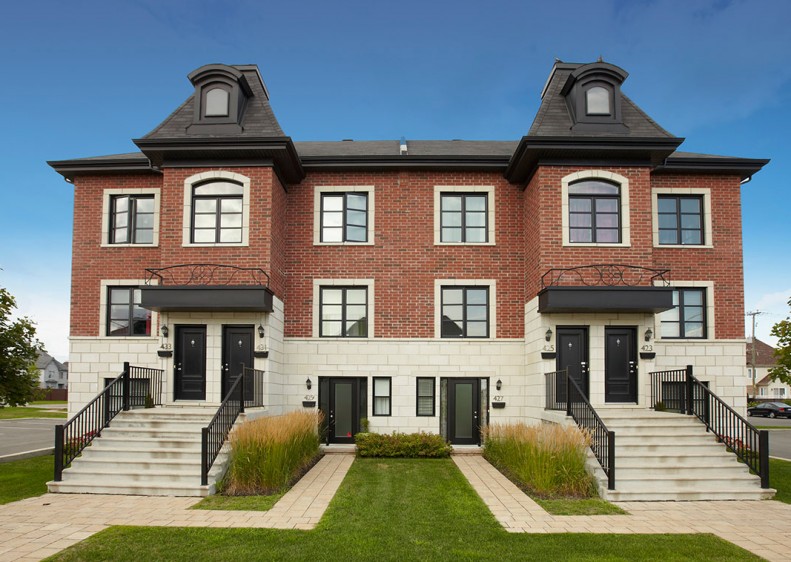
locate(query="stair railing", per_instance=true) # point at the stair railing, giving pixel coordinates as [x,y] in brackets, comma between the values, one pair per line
[213,436]
[563,393]
[128,390]
[681,390]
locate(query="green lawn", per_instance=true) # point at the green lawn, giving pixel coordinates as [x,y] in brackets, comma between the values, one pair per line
[395,509]
[586,506]
[239,503]
[780,479]
[9,413]
[49,402]
[25,478]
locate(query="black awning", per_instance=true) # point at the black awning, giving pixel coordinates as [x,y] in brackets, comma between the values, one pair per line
[191,298]
[605,299]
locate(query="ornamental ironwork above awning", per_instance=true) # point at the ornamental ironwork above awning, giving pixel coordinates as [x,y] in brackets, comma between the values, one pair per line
[604,275]
[207,274]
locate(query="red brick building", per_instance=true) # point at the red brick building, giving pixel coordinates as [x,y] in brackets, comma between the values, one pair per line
[423,285]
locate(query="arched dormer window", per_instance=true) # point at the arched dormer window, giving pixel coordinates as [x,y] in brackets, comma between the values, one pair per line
[598,101]
[216,102]
[221,94]
[593,96]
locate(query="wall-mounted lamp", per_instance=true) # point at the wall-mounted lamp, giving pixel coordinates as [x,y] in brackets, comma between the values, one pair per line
[261,331]
[499,384]
[649,333]
[548,335]
[309,383]
[165,331]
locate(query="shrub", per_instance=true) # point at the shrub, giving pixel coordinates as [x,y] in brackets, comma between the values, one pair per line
[660,406]
[408,445]
[547,460]
[268,454]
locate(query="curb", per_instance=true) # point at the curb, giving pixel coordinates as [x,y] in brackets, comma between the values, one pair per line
[27,454]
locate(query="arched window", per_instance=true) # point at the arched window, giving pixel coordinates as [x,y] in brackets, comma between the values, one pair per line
[217,211]
[594,212]
[216,104]
[597,101]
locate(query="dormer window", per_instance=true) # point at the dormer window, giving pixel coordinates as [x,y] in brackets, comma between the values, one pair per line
[216,102]
[598,101]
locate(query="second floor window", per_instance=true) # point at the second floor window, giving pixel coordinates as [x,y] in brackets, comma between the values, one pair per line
[465,312]
[344,217]
[132,219]
[343,312]
[680,219]
[125,316]
[594,212]
[217,213]
[688,317]
[463,217]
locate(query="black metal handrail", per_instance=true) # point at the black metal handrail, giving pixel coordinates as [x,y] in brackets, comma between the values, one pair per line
[207,274]
[213,436]
[604,275]
[127,390]
[563,393]
[682,391]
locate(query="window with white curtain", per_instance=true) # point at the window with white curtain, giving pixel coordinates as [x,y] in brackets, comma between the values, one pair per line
[382,395]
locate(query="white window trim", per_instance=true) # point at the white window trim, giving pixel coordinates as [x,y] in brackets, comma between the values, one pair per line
[367,283]
[490,283]
[106,210]
[622,181]
[487,189]
[187,222]
[707,228]
[107,283]
[710,327]
[317,192]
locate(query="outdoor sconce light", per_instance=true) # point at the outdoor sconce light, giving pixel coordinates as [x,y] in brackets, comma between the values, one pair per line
[260,331]
[649,333]
[165,331]
[499,384]
[548,335]
[309,383]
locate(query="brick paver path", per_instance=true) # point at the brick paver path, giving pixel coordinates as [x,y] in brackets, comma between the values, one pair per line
[35,528]
[762,527]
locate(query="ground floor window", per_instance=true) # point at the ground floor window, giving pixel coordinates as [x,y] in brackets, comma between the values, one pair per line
[125,315]
[425,396]
[382,395]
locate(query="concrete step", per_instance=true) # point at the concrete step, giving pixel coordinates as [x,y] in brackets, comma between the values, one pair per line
[149,488]
[112,464]
[189,433]
[126,477]
[122,454]
[722,494]
[141,443]
[671,439]
[681,477]
[675,449]
[625,459]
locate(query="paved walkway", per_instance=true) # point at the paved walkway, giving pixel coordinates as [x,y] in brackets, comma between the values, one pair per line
[35,528]
[762,527]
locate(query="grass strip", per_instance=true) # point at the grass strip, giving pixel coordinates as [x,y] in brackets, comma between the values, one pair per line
[25,478]
[18,412]
[238,503]
[780,479]
[396,509]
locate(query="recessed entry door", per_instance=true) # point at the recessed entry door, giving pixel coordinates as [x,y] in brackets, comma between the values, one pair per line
[189,365]
[237,350]
[572,354]
[464,411]
[620,364]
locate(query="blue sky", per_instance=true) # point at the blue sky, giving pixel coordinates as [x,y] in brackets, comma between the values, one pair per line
[84,77]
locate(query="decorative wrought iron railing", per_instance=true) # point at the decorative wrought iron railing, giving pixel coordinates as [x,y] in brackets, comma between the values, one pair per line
[563,393]
[213,436]
[135,387]
[604,275]
[207,274]
[681,391]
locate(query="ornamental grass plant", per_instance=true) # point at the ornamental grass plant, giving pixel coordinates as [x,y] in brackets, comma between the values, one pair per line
[546,460]
[268,454]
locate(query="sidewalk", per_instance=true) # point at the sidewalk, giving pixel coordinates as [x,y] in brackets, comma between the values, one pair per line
[762,527]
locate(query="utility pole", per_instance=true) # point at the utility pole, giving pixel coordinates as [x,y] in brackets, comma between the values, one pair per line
[753,313]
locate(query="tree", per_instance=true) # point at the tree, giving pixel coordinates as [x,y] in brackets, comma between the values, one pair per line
[19,349]
[782,331]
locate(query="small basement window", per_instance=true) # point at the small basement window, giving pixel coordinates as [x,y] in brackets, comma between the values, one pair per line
[216,103]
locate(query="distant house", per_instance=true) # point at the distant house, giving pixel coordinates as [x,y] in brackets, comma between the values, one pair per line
[765,387]
[52,373]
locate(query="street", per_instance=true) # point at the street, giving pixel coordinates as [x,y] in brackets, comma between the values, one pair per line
[29,434]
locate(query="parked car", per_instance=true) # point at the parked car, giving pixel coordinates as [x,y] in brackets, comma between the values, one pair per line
[771,410]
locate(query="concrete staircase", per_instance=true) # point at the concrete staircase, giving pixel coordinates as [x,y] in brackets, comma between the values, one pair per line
[149,452]
[661,456]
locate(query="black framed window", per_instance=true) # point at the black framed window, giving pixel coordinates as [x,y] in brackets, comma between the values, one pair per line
[465,312]
[343,312]
[598,101]
[426,396]
[687,318]
[125,316]
[464,217]
[382,396]
[680,219]
[217,210]
[594,212]
[132,219]
[344,217]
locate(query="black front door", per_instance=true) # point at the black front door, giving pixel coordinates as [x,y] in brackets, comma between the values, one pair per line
[464,411]
[343,403]
[572,354]
[190,363]
[237,350]
[620,364]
